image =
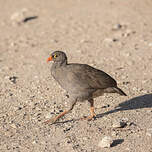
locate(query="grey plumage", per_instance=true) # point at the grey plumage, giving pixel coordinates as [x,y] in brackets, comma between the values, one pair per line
[81,81]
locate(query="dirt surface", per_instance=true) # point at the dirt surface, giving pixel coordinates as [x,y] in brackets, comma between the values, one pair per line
[112,35]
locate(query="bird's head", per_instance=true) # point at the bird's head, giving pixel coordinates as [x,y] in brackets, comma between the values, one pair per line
[58,57]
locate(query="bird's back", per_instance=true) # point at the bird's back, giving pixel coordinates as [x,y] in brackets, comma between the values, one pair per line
[79,77]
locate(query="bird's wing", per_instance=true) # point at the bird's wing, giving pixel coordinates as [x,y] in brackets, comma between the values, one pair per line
[89,77]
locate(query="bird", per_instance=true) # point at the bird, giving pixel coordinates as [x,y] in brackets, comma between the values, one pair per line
[81,82]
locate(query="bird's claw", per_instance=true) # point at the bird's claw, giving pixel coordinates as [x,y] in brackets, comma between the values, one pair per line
[88,118]
[50,121]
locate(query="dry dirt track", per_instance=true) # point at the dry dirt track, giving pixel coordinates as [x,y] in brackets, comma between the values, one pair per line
[89,32]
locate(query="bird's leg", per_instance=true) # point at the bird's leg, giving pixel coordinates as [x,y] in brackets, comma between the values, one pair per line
[92,113]
[53,120]
[91,109]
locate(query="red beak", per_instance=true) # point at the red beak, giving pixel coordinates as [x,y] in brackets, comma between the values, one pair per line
[49,59]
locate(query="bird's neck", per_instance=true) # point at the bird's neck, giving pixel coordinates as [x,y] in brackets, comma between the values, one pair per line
[59,64]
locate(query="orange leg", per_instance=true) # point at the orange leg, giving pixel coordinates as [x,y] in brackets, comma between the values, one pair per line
[92,113]
[53,120]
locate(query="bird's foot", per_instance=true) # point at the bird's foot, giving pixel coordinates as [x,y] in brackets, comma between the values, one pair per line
[50,121]
[89,117]
[53,120]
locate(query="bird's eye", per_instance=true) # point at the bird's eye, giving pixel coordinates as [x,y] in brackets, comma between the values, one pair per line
[54,55]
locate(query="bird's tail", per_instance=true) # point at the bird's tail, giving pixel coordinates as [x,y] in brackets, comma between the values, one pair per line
[115,90]
[118,90]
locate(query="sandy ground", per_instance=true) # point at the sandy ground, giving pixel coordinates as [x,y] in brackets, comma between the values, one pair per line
[112,35]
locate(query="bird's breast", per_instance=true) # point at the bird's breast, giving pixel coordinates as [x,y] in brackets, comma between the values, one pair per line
[60,76]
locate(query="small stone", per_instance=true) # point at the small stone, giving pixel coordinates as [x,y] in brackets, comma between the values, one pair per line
[18,17]
[106,142]
[13,79]
[108,40]
[11,94]
[13,126]
[149,132]
[128,33]
[34,142]
[127,54]
[54,41]
[105,106]
[119,124]
[117,27]
[22,16]
[113,133]
[19,108]
[84,41]
[126,82]
[12,44]
[115,39]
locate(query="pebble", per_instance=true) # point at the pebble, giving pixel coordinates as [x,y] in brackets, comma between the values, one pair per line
[13,126]
[34,142]
[125,82]
[119,124]
[117,27]
[134,88]
[110,41]
[128,33]
[18,17]
[84,41]
[13,79]
[113,133]
[12,44]
[106,142]
[22,16]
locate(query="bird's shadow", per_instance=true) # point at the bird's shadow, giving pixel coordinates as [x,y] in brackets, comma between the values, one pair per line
[139,102]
